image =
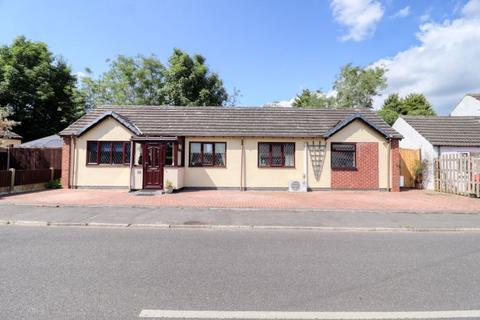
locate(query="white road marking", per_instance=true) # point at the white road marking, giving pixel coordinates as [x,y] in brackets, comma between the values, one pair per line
[300,315]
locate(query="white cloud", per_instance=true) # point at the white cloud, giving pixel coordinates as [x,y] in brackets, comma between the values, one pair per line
[472,9]
[80,75]
[443,66]
[282,104]
[402,13]
[359,16]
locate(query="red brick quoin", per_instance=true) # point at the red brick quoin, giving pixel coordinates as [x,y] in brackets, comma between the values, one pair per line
[365,175]
[395,165]
[65,179]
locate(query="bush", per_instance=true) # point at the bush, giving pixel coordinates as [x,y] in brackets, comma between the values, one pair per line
[53,184]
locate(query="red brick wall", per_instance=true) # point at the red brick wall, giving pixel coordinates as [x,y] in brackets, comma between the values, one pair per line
[395,165]
[365,176]
[65,179]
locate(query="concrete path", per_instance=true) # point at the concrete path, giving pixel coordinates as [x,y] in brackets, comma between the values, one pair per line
[236,218]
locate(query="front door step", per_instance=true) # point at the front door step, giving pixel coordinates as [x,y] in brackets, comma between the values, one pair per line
[146,192]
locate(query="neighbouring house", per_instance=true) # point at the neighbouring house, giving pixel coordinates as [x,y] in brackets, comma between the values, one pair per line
[245,148]
[436,136]
[53,141]
[468,106]
[9,139]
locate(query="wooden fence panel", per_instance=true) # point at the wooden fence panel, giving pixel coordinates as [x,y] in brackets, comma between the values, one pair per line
[5,178]
[23,177]
[31,158]
[409,159]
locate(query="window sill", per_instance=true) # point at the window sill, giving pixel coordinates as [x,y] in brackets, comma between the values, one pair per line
[104,165]
[273,167]
[344,169]
[209,167]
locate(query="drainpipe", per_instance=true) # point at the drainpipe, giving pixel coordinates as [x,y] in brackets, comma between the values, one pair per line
[131,165]
[242,162]
[72,165]
[305,164]
[390,165]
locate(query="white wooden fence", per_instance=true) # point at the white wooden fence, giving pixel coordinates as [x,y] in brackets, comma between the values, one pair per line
[458,174]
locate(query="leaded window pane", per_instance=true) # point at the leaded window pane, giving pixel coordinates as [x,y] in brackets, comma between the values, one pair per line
[117,155]
[343,155]
[127,152]
[207,154]
[105,150]
[195,154]
[289,154]
[220,154]
[92,152]
[277,158]
[264,154]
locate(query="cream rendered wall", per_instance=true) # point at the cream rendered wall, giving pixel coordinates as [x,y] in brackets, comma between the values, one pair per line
[256,177]
[358,131]
[100,175]
[215,177]
[175,175]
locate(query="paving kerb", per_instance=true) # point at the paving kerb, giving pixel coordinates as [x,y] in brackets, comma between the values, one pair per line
[237,227]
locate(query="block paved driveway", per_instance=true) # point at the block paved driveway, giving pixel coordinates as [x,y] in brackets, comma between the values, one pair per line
[413,200]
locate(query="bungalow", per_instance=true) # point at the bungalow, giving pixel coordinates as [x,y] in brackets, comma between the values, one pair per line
[9,139]
[438,135]
[468,106]
[143,147]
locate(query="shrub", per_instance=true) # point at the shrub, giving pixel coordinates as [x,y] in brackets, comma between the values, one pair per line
[53,184]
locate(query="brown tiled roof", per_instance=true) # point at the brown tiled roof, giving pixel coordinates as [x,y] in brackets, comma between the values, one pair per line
[447,131]
[230,121]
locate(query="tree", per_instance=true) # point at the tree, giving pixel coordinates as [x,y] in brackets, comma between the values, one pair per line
[189,82]
[5,124]
[356,86]
[413,104]
[38,89]
[313,99]
[144,80]
[129,80]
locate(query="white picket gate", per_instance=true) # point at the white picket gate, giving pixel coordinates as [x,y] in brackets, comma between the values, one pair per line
[458,174]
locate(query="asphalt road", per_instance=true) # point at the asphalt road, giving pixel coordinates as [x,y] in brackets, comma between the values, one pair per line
[87,273]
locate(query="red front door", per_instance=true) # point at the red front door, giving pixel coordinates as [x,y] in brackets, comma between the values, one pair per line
[153,165]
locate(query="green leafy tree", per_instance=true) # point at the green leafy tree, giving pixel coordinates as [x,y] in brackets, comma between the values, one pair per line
[189,82]
[356,86]
[38,88]
[144,80]
[413,104]
[313,99]
[128,81]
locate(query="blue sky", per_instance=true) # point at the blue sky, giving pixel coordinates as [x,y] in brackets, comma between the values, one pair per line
[267,49]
